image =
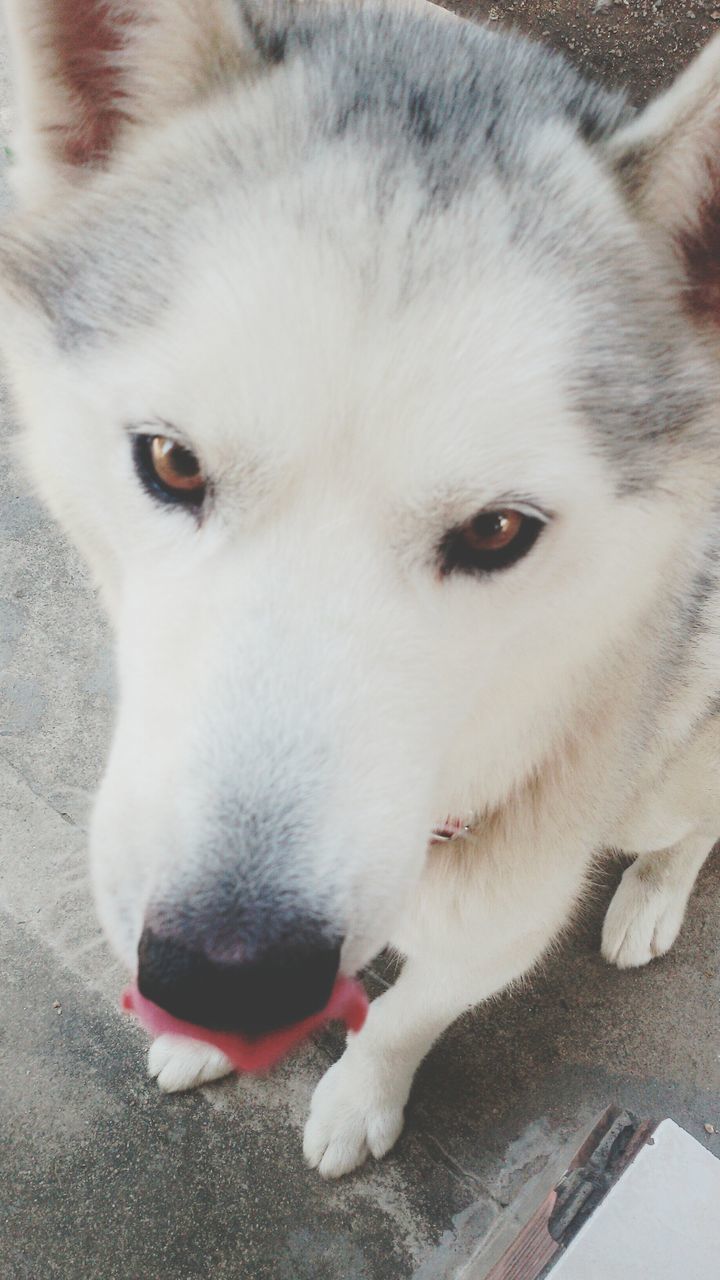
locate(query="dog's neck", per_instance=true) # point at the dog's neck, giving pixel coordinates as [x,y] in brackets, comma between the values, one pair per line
[451,829]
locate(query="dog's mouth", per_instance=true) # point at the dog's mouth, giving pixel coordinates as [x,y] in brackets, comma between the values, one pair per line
[260,1051]
[348,1003]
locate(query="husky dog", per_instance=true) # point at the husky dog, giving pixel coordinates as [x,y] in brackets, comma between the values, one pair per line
[371,360]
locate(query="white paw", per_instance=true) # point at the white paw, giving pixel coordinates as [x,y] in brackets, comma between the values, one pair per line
[178,1063]
[643,919]
[350,1118]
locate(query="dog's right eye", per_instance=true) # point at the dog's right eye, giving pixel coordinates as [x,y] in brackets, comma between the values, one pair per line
[169,471]
[494,539]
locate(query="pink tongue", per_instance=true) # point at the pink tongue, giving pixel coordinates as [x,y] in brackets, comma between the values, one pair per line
[348,1003]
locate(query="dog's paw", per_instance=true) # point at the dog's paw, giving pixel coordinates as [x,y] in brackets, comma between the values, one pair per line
[350,1118]
[178,1063]
[643,919]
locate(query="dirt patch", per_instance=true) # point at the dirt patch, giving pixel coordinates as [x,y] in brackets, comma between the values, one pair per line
[641,44]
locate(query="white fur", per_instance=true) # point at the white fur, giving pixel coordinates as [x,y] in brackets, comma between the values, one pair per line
[306,616]
[178,1063]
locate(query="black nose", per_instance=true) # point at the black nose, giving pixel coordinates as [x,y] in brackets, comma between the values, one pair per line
[253,996]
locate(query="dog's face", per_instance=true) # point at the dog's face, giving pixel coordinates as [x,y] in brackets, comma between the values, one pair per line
[372,422]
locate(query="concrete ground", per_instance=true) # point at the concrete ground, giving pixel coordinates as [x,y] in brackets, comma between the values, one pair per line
[104,1178]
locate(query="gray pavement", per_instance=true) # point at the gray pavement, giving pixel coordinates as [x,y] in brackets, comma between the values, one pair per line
[103,1177]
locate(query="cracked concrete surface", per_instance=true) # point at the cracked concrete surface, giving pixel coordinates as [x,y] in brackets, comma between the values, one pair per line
[101,1175]
[637,43]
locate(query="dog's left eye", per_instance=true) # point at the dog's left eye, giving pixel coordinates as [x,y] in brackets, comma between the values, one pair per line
[492,540]
[169,471]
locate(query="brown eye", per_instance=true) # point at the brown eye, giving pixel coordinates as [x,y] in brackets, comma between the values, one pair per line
[491,540]
[175,466]
[169,471]
[493,530]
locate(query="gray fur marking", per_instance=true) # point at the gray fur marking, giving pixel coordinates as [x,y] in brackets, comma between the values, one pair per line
[457,98]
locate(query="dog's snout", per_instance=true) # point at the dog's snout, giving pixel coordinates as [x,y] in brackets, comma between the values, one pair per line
[253,996]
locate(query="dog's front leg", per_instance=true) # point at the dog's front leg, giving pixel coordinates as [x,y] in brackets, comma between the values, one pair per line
[178,1063]
[466,939]
[357,1108]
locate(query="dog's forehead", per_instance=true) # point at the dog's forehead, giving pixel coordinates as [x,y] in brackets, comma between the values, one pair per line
[421,103]
[300,315]
[393,198]
[303,348]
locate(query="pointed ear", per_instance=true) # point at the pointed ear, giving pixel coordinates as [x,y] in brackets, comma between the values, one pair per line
[668,160]
[88,70]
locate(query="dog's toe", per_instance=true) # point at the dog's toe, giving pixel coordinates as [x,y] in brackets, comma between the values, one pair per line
[349,1121]
[178,1063]
[642,922]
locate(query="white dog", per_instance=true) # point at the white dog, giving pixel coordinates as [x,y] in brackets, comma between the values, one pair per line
[372,362]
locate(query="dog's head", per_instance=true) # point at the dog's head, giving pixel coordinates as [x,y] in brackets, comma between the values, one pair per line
[367,357]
